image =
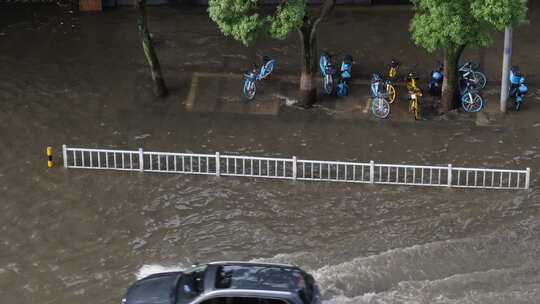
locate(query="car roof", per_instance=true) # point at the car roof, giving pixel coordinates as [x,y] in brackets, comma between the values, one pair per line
[260,264]
[288,296]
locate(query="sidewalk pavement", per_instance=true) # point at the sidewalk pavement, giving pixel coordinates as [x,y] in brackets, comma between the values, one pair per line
[220,92]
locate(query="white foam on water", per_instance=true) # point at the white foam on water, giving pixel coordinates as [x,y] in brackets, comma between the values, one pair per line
[288,101]
[147,270]
[502,266]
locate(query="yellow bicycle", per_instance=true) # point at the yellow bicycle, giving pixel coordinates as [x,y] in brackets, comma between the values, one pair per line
[392,75]
[392,72]
[414,95]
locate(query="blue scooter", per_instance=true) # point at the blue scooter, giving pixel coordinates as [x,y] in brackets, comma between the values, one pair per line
[435,84]
[518,88]
[252,76]
[346,67]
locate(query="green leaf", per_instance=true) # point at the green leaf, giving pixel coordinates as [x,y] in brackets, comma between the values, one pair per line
[501,13]
[242,20]
[287,18]
[449,24]
[236,18]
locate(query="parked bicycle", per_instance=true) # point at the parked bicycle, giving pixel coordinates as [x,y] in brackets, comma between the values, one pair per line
[252,76]
[393,69]
[518,88]
[379,104]
[392,76]
[342,88]
[327,71]
[435,84]
[469,75]
[471,101]
[414,95]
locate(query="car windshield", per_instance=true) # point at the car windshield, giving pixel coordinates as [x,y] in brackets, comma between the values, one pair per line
[190,284]
[265,278]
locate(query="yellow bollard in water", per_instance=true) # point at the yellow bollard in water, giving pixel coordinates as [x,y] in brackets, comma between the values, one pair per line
[50,162]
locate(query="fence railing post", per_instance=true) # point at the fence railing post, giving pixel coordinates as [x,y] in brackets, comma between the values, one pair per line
[371,172]
[527,178]
[218,166]
[64,155]
[294,171]
[141,160]
[450,175]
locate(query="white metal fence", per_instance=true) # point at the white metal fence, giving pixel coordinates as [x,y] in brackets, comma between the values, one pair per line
[294,169]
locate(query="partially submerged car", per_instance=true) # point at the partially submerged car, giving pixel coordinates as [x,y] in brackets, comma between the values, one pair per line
[227,283]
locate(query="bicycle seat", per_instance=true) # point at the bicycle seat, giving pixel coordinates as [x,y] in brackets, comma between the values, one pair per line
[250,73]
[394,63]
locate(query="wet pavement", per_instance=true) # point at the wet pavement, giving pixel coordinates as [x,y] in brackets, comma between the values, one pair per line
[83,236]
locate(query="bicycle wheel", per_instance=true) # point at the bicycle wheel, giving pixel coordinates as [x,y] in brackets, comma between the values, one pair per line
[412,106]
[380,108]
[391,91]
[328,84]
[249,89]
[517,102]
[480,80]
[472,102]
[342,90]
[416,109]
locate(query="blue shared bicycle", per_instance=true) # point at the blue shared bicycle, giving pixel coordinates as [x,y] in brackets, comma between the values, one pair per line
[327,71]
[470,75]
[252,76]
[471,101]
[380,107]
[342,88]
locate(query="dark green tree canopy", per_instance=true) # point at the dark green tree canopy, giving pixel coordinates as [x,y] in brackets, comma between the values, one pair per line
[444,24]
[243,20]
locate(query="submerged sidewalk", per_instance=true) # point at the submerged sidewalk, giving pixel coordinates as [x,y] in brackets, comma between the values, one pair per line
[220,92]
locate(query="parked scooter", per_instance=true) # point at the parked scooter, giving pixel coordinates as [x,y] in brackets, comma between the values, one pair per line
[435,84]
[518,88]
[342,88]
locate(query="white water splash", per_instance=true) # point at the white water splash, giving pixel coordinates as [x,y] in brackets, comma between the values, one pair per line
[288,101]
[500,267]
[151,269]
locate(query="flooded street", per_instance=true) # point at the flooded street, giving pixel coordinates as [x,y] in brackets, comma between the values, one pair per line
[83,236]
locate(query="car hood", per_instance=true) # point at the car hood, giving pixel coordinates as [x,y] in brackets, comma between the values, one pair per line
[157,289]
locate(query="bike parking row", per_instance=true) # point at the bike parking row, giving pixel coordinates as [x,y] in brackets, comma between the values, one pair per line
[471,81]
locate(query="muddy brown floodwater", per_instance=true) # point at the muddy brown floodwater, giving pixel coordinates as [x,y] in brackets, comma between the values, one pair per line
[75,236]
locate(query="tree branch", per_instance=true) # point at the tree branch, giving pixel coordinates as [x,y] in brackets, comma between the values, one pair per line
[326,9]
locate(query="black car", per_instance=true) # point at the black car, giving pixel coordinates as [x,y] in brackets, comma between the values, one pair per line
[227,283]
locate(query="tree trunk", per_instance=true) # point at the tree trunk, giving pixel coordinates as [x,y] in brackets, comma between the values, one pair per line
[308,40]
[308,91]
[450,91]
[160,89]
